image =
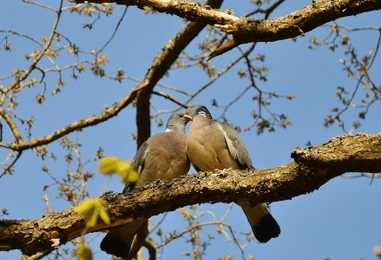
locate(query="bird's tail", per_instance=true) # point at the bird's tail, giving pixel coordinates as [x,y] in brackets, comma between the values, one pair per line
[262,223]
[118,241]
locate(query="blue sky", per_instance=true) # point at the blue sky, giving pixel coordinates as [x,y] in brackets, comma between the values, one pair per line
[340,220]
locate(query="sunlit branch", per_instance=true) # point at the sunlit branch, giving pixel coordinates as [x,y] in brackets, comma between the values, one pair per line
[12,125]
[312,168]
[82,123]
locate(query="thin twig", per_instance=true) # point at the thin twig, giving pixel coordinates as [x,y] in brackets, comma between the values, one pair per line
[6,170]
[42,53]
[115,30]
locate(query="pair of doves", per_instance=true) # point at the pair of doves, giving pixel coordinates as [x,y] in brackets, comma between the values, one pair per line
[209,145]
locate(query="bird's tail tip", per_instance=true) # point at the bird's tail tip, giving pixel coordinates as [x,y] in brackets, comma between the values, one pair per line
[266,229]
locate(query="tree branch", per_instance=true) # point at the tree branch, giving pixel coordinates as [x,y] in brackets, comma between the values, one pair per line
[246,30]
[161,64]
[12,125]
[82,123]
[141,92]
[359,153]
[312,169]
[292,25]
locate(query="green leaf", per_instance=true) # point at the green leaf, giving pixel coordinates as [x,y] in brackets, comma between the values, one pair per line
[103,215]
[85,252]
[110,165]
[127,172]
[90,210]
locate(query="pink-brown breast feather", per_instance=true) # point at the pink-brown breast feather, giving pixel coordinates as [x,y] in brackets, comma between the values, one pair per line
[206,146]
[166,158]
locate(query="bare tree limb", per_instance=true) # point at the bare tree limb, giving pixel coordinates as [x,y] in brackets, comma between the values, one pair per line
[295,24]
[243,30]
[82,123]
[312,169]
[246,30]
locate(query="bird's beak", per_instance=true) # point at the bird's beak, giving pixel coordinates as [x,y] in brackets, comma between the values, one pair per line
[188,117]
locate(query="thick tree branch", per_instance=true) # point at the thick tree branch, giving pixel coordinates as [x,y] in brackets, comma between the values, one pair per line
[246,30]
[313,168]
[192,11]
[359,153]
[295,24]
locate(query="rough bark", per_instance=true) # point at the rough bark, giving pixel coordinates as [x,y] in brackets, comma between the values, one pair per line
[312,168]
[246,30]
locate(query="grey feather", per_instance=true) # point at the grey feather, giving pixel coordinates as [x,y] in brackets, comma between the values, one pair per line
[236,146]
